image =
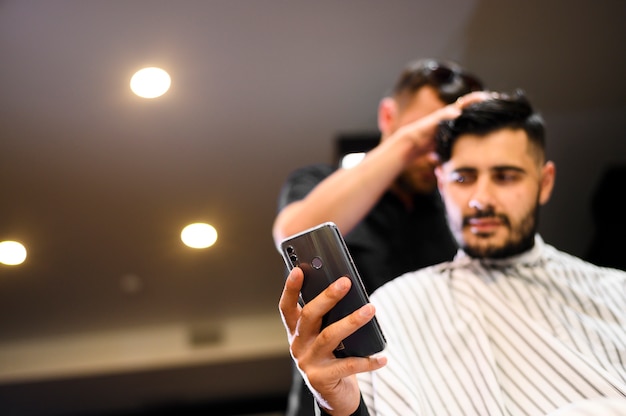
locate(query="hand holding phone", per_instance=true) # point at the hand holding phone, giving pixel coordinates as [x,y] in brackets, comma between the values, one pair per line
[323,256]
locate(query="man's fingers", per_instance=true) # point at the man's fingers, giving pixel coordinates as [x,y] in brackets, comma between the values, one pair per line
[333,334]
[288,303]
[421,132]
[312,313]
[341,368]
[306,321]
[454,110]
[473,97]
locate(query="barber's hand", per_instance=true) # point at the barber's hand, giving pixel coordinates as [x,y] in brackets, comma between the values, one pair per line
[422,131]
[331,380]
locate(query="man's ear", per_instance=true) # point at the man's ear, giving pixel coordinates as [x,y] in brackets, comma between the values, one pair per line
[548,176]
[387,115]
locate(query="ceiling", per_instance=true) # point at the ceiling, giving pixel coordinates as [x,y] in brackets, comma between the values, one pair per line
[98,183]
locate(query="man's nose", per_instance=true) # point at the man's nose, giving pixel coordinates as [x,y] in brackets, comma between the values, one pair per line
[482,200]
[476,204]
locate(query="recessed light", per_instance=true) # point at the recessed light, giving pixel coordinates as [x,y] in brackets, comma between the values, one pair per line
[12,253]
[199,235]
[150,82]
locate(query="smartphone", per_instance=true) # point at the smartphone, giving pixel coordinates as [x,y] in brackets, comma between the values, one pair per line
[323,256]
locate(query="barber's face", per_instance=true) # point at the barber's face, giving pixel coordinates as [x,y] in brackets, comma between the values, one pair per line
[492,188]
[419,175]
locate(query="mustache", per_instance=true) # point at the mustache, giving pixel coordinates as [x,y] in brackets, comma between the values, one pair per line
[486,213]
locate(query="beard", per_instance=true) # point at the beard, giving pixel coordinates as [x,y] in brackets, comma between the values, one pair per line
[521,237]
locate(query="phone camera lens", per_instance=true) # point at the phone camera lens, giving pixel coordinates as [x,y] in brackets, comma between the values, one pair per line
[290,249]
[293,258]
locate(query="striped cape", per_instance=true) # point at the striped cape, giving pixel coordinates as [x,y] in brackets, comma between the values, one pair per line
[529,335]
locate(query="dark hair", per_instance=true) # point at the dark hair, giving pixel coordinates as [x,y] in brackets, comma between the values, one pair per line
[448,78]
[505,111]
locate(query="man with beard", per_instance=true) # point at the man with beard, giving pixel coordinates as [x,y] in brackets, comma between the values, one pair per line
[510,326]
[387,207]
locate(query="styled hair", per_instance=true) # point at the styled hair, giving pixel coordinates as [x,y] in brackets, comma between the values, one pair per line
[448,78]
[512,111]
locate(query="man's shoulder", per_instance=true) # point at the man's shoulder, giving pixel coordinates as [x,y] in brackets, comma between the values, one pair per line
[424,276]
[559,258]
[301,181]
[309,174]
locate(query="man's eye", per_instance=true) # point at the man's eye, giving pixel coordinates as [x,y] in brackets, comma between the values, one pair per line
[461,177]
[507,176]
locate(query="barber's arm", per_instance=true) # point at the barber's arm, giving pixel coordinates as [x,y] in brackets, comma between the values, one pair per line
[331,380]
[347,195]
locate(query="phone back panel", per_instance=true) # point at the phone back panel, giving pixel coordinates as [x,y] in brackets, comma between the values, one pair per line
[322,255]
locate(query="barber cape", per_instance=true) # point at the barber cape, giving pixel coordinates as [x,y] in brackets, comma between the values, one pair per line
[540,333]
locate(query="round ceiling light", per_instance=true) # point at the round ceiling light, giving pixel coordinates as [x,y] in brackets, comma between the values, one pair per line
[150,82]
[12,253]
[199,235]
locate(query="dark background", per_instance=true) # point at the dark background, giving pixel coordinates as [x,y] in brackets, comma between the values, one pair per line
[98,183]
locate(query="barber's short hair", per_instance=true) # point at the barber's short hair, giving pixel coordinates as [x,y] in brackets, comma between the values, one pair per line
[448,78]
[512,111]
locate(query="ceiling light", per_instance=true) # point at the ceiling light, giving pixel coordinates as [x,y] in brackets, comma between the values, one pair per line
[12,253]
[199,235]
[150,82]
